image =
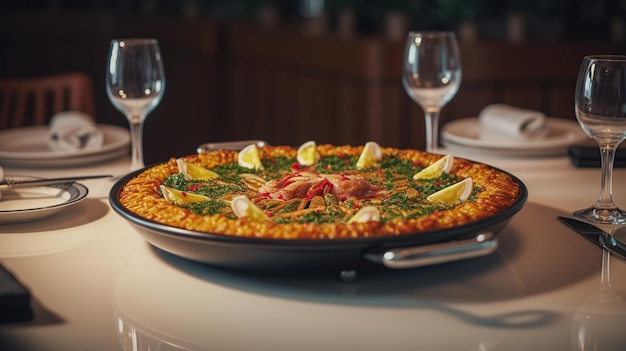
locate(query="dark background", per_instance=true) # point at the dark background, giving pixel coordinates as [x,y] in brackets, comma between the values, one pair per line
[288,71]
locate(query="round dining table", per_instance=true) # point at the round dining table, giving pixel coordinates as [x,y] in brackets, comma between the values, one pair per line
[96,284]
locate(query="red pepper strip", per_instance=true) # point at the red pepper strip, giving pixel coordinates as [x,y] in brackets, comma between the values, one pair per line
[284,180]
[194,187]
[321,189]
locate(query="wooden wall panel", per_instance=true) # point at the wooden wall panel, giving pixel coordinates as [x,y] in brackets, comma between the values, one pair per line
[524,96]
[348,115]
[560,101]
[412,119]
[230,81]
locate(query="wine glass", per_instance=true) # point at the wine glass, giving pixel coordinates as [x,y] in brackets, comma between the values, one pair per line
[601,112]
[135,83]
[431,75]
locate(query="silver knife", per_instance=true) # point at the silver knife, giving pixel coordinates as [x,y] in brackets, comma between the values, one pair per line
[9,184]
[597,236]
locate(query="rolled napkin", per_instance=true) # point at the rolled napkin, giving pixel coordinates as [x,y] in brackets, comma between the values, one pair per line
[505,121]
[74,131]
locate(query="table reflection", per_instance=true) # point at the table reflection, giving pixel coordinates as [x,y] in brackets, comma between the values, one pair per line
[190,305]
[63,231]
[599,321]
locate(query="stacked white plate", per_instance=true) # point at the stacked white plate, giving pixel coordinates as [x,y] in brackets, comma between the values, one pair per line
[27,147]
[465,134]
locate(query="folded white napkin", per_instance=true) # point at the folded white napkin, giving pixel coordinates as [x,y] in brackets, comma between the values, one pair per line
[505,121]
[72,131]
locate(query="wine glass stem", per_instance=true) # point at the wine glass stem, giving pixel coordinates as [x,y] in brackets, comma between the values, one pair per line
[136,138]
[605,200]
[605,277]
[432,130]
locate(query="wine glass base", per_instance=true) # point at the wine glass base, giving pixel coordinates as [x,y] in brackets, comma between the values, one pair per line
[602,216]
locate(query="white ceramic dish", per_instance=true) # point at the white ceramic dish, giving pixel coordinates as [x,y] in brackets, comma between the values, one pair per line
[27,147]
[30,204]
[466,134]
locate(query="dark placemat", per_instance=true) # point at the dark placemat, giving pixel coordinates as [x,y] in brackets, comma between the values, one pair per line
[14,299]
[586,156]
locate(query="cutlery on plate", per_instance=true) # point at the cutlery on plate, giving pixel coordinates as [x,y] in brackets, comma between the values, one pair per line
[9,184]
[230,145]
[597,236]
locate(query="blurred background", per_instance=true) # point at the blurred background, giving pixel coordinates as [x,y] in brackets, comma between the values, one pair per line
[288,71]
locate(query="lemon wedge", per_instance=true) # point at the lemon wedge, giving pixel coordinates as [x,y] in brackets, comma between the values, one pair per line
[444,164]
[249,157]
[366,214]
[370,155]
[243,207]
[178,197]
[307,154]
[455,193]
[191,171]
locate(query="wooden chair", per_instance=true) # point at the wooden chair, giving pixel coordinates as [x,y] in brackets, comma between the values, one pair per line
[33,100]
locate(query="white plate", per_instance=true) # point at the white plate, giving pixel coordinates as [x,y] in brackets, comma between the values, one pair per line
[27,147]
[466,133]
[29,204]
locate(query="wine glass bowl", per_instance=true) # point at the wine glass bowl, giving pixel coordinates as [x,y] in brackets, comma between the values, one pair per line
[135,84]
[431,76]
[600,106]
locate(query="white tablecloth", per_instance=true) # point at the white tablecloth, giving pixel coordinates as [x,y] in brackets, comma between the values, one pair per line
[97,285]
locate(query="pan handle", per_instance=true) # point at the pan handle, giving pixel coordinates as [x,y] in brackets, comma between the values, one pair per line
[424,255]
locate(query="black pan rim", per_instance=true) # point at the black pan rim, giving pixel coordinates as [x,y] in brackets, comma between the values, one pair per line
[426,237]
